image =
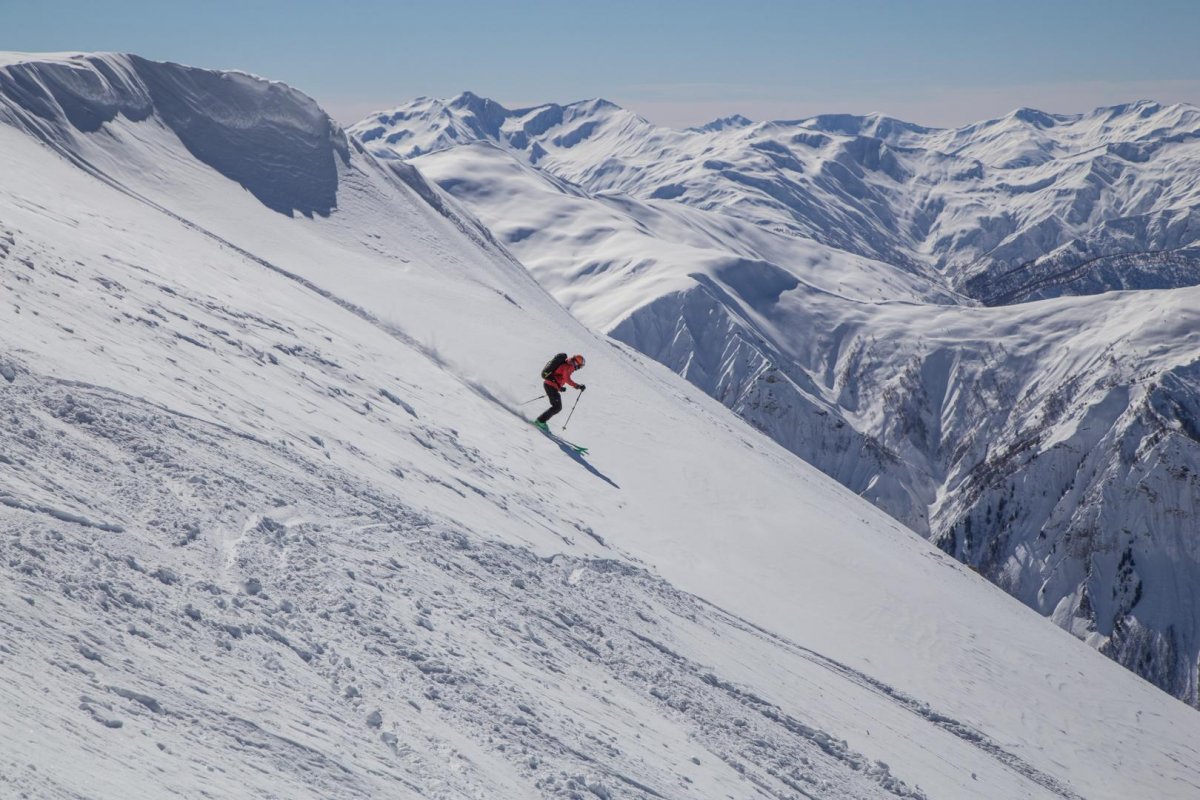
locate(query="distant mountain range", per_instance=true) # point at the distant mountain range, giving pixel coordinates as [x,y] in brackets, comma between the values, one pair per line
[1028,206]
[991,332]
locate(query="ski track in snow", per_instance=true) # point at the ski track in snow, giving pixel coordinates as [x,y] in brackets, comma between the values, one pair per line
[958,729]
[346,600]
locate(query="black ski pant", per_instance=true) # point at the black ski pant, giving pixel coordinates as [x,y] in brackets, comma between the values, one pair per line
[555,402]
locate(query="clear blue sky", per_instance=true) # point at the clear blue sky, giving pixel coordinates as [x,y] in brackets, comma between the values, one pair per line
[677,63]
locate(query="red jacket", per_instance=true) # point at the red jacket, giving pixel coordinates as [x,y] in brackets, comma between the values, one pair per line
[562,376]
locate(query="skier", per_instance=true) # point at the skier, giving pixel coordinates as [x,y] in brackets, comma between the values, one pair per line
[556,376]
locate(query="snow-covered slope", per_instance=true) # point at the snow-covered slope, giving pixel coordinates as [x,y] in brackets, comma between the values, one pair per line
[1027,206]
[685,286]
[966,424]
[272,525]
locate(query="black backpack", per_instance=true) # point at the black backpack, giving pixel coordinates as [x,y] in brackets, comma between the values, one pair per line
[552,365]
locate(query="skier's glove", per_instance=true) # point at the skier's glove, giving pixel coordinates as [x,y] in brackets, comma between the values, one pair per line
[582,387]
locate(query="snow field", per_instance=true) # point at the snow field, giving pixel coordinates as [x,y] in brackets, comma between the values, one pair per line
[268,506]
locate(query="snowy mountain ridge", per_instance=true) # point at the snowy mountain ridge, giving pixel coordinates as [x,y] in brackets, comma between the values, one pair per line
[1006,210]
[1048,444]
[272,525]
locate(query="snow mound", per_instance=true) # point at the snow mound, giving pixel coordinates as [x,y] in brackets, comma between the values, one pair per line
[225,120]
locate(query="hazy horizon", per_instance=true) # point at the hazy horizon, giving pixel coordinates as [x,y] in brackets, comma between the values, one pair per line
[932,62]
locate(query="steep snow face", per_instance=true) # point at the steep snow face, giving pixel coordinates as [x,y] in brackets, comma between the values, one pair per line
[272,525]
[1023,207]
[1063,434]
[689,288]
[965,424]
[221,119]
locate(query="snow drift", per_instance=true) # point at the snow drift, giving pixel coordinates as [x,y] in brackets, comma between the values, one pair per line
[274,141]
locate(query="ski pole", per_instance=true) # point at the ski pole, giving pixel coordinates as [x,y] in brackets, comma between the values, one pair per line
[578,397]
[527,402]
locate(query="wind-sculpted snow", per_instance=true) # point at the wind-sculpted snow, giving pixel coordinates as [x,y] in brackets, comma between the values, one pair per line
[277,143]
[272,525]
[274,141]
[960,422]
[980,204]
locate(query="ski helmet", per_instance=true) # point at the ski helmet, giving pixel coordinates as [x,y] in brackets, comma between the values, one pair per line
[578,361]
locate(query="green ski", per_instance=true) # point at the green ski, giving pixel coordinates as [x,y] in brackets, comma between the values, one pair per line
[544,428]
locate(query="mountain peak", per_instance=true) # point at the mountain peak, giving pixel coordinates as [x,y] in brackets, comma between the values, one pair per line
[873,124]
[475,103]
[724,123]
[1138,108]
[594,105]
[468,98]
[1032,116]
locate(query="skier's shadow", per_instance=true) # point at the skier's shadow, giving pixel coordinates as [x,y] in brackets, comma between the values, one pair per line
[483,392]
[579,459]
